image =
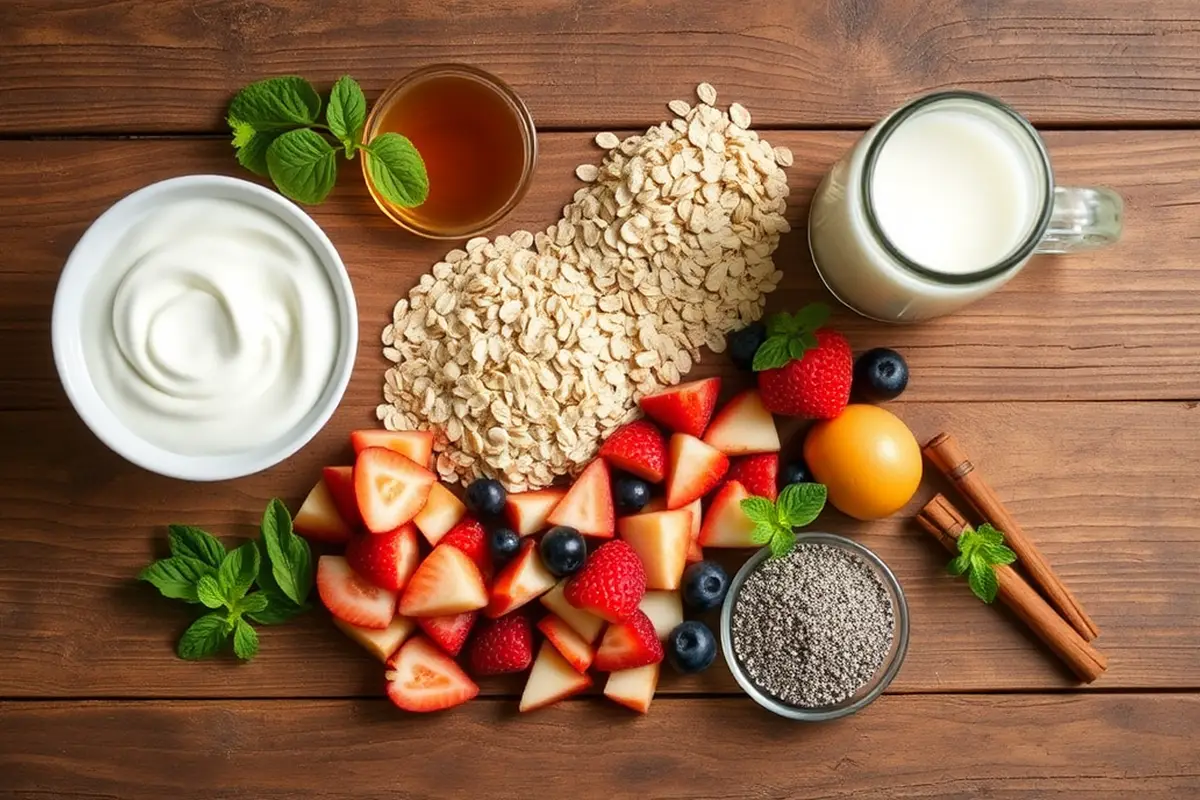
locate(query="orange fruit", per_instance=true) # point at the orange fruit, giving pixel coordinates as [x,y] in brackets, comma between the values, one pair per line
[867,458]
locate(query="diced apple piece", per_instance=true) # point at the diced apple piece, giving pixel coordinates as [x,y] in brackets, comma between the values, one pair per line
[726,525]
[417,445]
[319,519]
[574,649]
[586,624]
[523,579]
[442,512]
[526,512]
[447,582]
[551,679]
[665,610]
[743,426]
[633,688]
[661,541]
[379,643]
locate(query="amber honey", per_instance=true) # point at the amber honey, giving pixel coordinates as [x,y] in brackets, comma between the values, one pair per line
[477,140]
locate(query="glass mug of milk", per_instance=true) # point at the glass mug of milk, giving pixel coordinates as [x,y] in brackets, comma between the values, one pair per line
[942,203]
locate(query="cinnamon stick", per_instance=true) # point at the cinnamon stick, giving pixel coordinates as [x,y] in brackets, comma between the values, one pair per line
[946,454]
[941,519]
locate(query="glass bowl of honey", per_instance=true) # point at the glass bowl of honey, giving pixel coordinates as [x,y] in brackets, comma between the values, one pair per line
[477,140]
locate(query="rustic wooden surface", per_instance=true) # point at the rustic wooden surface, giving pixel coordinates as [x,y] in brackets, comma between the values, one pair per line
[1075,389]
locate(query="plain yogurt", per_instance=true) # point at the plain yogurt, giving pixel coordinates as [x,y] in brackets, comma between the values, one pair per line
[213,328]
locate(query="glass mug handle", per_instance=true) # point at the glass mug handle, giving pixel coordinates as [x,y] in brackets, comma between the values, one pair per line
[1084,218]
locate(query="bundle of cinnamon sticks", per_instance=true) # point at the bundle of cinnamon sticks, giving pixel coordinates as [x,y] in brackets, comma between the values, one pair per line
[1042,602]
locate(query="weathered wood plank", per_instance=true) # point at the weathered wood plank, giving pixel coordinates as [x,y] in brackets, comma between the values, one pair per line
[171,65]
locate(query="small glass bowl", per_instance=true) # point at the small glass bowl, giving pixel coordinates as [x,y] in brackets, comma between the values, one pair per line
[872,688]
[501,89]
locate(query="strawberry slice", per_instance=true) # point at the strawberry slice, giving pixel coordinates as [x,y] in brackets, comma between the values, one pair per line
[449,632]
[629,644]
[416,445]
[379,643]
[351,597]
[611,583]
[758,473]
[501,646]
[390,488]
[743,426]
[442,512]
[470,536]
[571,645]
[340,481]
[526,512]
[446,582]
[552,679]
[423,678]
[387,560]
[726,525]
[588,505]
[661,540]
[685,408]
[523,579]
[693,469]
[318,518]
[638,448]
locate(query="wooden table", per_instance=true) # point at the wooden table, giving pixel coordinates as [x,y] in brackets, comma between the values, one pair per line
[1075,388]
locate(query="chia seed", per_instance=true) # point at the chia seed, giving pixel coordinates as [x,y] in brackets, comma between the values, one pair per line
[812,628]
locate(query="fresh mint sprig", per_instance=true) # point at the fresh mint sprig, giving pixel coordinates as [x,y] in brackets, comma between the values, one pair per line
[980,551]
[790,336]
[200,570]
[775,522]
[277,133]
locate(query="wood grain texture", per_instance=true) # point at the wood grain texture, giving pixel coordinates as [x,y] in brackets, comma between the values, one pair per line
[171,65]
[1099,747]
[1118,324]
[1106,489]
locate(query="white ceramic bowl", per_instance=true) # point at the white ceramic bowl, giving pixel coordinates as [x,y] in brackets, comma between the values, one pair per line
[90,254]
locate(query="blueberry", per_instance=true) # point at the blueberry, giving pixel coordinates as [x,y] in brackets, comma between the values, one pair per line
[504,544]
[630,494]
[744,343]
[880,375]
[704,585]
[795,472]
[563,550]
[486,497]
[691,647]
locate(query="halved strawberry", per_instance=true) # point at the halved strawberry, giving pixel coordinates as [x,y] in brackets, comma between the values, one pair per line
[743,426]
[638,448]
[693,469]
[661,540]
[471,537]
[758,473]
[416,445]
[390,488]
[574,649]
[318,517]
[446,582]
[629,644]
[379,643]
[586,624]
[611,583]
[726,525]
[633,688]
[387,560]
[685,408]
[523,579]
[501,646]
[526,512]
[340,481]
[449,632]
[442,512]
[423,678]
[351,597]
[551,680]
[588,505]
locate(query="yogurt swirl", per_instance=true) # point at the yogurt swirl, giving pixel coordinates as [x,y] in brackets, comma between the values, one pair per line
[214,329]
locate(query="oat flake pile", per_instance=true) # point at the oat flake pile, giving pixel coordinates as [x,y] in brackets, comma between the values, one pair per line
[523,353]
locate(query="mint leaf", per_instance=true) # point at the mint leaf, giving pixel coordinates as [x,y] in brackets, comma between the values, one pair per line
[279,608]
[983,582]
[176,577]
[243,132]
[998,554]
[192,542]
[252,604]
[808,341]
[245,640]
[397,170]
[812,316]
[253,154]
[782,543]
[203,637]
[291,560]
[303,165]
[771,354]
[238,571]
[762,533]
[208,590]
[987,533]
[276,104]
[781,325]
[958,565]
[758,510]
[347,113]
[801,503]
[796,348]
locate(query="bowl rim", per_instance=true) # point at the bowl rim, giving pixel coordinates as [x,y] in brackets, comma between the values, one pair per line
[883,677]
[88,256]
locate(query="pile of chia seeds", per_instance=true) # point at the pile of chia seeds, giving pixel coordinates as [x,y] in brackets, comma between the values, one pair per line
[813,627]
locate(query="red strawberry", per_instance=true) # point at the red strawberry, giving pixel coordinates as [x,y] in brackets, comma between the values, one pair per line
[588,504]
[629,644]
[523,579]
[423,678]
[352,598]
[638,448]
[470,536]
[340,481]
[685,408]
[501,646]
[390,488]
[611,583]
[817,385]
[759,474]
[694,469]
[387,560]
[451,631]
